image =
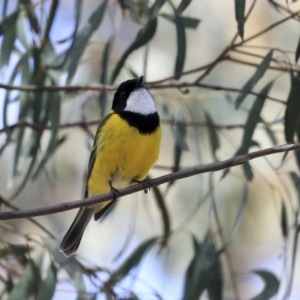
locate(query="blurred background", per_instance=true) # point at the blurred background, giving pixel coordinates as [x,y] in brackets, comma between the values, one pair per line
[43,160]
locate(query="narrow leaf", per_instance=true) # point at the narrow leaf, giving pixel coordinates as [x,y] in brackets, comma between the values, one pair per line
[240,16]
[297,54]
[132,261]
[83,37]
[69,264]
[8,22]
[296,181]
[143,37]
[213,135]
[103,97]
[292,109]
[254,118]
[182,6]
[259,73]
[181,46]
[8,44]
[160,201]
[28,284]
[47,288]
[237,220]
[188,22]
[155,8]
[271,285]
[204,273]
[284,221]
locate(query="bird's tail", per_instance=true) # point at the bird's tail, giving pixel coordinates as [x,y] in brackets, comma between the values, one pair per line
[71,240]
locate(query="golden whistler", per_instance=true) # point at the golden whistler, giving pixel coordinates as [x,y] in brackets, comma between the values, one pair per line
[126,145]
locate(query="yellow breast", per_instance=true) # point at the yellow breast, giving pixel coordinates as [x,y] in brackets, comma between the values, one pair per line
[123,154]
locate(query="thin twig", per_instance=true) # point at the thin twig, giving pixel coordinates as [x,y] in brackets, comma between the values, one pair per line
[42,227]
[184,173]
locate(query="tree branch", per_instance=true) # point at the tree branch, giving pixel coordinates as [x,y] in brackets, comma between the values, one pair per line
[184,173]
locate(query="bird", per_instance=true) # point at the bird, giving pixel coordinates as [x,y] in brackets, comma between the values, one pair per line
[126,145]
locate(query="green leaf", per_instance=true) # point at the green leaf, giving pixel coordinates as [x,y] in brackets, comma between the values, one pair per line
[292,110]
[296,181]
[8,22]
[28,284]
[181,46]
[83,37]
[8,44]
[240,16]
[155,8]
[182,7]
[47,288]
[33,21]
[284,221]
[143,37]
[103,97]
[69,264]
[213,135]
[259,73]
[53,116]
[271,285]
[188,22]
[204,273]
[160,201]
[132,261]
[237,220]
[254,118]
[297,54]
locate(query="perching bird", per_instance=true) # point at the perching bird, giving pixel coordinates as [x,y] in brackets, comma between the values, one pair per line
[126,145]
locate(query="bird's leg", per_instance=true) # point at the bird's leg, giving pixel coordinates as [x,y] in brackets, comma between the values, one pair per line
[114,191]
[146,183]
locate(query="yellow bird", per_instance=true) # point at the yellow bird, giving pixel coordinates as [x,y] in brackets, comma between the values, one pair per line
[126,145]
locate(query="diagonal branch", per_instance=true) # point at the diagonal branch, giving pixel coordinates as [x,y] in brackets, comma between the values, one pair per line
[184,173]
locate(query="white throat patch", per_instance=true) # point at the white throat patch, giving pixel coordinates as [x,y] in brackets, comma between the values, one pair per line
[141,102]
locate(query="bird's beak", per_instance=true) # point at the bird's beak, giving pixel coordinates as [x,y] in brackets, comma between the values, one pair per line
[139,82]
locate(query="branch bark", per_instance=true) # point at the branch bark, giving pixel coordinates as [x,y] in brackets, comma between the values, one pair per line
[234,161]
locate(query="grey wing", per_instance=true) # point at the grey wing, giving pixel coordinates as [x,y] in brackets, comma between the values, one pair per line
[94,153]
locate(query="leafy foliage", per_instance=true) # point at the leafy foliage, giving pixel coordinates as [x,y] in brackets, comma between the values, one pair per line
[38,71]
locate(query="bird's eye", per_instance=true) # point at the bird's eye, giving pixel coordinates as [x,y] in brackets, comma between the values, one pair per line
[122,94]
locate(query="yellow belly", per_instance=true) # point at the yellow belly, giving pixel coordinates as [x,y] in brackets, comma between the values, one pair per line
[123,155]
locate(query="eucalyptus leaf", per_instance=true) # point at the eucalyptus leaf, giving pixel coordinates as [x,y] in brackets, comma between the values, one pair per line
[284,221]
[203,273]
[240,6]
[188,22]
[8,44]
[259,73]
[297,54]
[103,97]
[132,261]
[8,22]
[181,46]
[213,135]
[83,37]
[271,285]
[155,8]
[47,288]
[28,284]
[161,204]
[69,264]
[292,110]
[143,37]
[296,181]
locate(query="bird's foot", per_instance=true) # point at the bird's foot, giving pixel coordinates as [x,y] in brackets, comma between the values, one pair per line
[146,183]
[115,192]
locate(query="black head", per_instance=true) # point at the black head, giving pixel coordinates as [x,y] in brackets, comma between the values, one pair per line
[123,92]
